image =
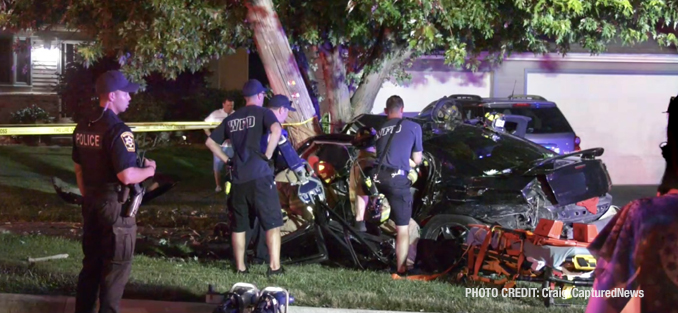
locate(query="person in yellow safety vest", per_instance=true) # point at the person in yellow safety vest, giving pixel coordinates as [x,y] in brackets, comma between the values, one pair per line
[491,117]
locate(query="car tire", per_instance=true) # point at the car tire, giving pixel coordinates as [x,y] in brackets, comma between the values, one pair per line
[459,223]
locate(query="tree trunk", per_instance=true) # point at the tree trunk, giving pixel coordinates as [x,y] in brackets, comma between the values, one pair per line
[363,100]
[281,69]
[309,79]
[338,102]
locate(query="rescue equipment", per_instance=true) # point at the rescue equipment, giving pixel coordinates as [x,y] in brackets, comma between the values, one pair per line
[501,256]
[247,298]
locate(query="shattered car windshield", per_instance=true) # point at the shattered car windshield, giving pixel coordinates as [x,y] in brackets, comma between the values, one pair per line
[475,151]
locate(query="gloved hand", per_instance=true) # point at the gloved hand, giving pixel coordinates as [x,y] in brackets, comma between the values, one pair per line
[412,176]
[284,215]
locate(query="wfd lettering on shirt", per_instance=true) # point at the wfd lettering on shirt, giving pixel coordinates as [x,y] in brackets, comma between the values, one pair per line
[239,124]
[88,140]
[388,130]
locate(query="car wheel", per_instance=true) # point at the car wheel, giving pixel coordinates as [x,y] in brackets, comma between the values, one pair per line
[448,227]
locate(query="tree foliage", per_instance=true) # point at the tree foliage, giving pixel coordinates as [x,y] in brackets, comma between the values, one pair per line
[383,36]
[164,36]
[473,29]
[172,36]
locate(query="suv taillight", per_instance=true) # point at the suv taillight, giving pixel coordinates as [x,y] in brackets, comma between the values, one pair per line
[577,141]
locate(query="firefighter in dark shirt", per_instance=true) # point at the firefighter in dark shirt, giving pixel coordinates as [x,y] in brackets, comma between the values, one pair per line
[254,190]
[105,159]
[392,180]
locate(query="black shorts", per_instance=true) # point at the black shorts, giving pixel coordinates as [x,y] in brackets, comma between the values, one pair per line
[256,198]
[397,191]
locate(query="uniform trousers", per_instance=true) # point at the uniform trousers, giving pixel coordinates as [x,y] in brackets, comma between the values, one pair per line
[108,244]
[395,185]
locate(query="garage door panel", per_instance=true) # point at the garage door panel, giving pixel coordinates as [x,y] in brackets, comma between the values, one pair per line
[426,87]
[619,112]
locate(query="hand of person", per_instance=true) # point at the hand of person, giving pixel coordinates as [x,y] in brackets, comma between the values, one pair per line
[149,163]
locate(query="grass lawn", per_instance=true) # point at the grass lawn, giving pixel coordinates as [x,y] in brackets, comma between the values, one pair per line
[189,212]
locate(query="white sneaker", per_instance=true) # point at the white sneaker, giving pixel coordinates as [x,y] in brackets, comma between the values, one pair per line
[218,189]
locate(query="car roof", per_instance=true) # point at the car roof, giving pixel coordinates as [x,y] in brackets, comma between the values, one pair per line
[343,139]
[500,102]
[374,120]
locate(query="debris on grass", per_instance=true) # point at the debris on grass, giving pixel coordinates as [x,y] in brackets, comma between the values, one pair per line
[47,258]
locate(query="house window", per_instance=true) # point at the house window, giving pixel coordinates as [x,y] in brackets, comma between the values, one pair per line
[69,55]
[15,61]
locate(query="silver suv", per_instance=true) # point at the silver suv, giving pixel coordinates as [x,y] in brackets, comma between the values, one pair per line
[547,125]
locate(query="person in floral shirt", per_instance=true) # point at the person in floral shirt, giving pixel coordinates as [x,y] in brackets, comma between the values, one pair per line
[638,249]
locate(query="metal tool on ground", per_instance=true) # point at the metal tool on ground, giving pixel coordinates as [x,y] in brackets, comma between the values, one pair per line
[47,258]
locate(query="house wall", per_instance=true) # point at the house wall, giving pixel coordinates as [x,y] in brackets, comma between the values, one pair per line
[430,81]
[46,62]
[614,101]
[230,71]
[10,103]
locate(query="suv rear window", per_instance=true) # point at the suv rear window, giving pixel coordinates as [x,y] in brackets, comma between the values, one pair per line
[547,120]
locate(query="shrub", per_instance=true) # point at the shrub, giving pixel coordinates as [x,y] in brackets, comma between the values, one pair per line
[145,107]
[31,115]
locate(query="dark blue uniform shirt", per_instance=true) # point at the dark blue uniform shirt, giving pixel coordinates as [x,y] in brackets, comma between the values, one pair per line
[103,149]
[407,140]
[247,128]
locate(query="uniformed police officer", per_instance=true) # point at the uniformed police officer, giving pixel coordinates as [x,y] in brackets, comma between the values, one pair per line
[392,180]
[254,132]
[105,159]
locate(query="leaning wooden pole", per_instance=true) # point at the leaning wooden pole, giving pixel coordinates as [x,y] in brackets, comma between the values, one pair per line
[282,69]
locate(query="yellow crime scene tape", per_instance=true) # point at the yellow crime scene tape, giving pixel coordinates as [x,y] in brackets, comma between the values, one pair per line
[64,129]
[139,127]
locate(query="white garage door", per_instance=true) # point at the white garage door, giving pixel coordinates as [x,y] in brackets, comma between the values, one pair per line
[619,112]
[426,87]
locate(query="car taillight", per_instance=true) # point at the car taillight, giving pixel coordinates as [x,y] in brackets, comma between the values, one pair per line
[521,105]
[577,141]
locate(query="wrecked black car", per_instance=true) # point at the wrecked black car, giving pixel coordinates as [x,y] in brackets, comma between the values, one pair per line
[476,174]
[470,175]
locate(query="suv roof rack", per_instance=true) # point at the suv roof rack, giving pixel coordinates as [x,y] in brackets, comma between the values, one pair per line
[527,97]
[466,96]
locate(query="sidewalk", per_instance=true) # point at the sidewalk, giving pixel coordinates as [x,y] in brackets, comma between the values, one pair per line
[18,303]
